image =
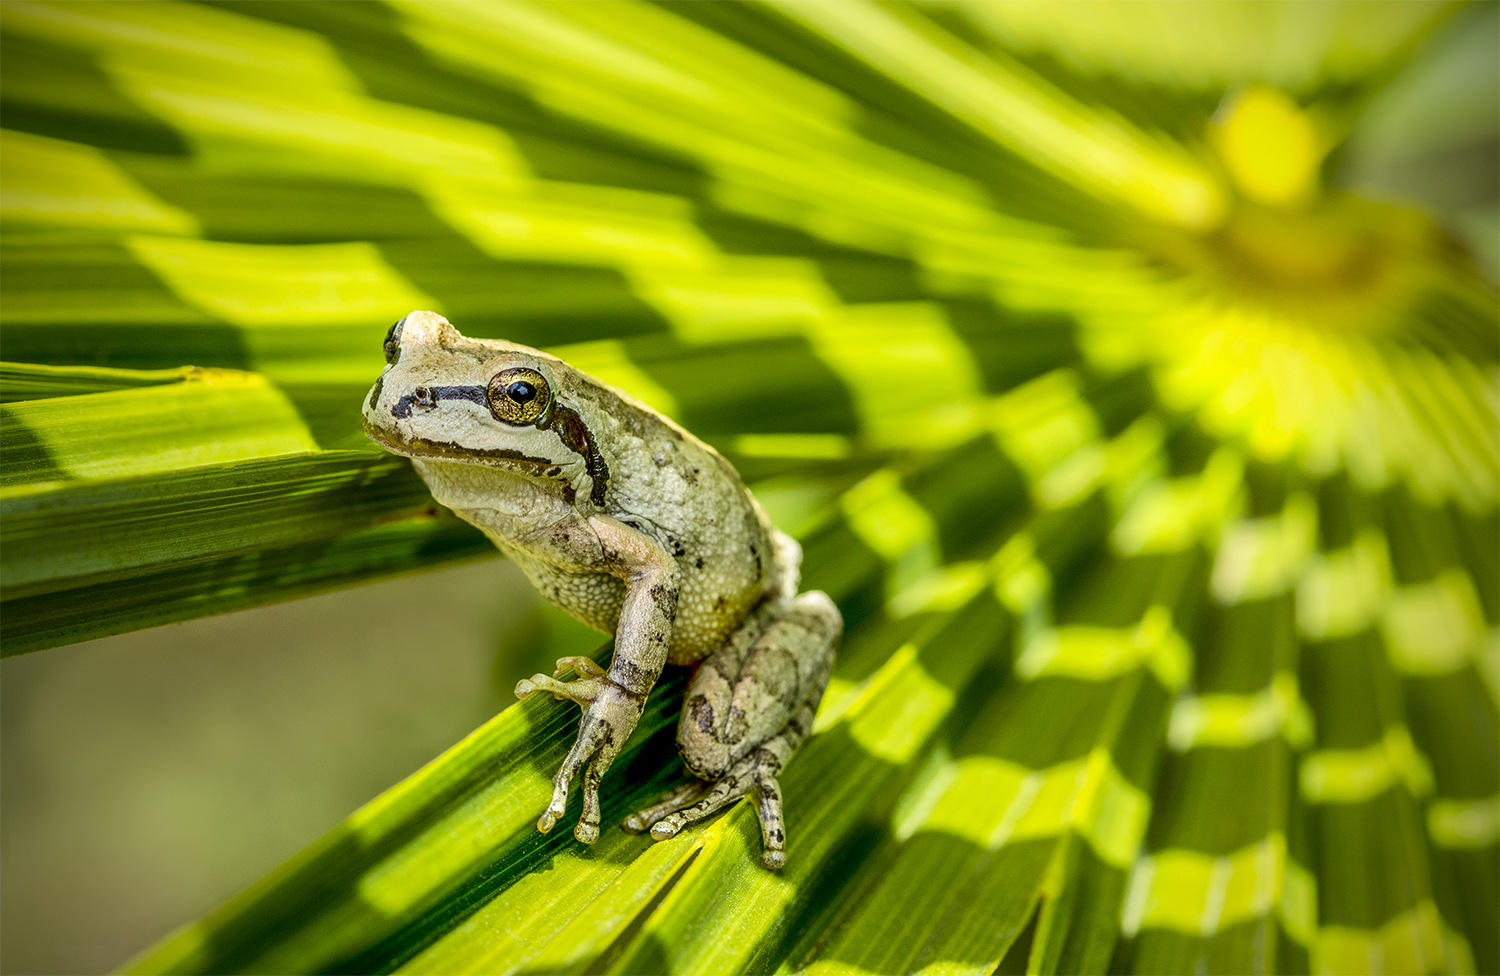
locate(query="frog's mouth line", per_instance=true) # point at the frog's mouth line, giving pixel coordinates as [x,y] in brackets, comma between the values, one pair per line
[421,447]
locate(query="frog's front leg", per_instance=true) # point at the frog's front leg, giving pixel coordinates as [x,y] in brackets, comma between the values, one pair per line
[749,707]
[612,700]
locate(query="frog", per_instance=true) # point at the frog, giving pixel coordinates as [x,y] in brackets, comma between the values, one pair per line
[627,522]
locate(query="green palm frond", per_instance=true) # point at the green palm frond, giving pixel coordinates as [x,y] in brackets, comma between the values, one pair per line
[1156,476]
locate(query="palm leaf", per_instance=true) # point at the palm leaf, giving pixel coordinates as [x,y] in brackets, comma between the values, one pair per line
[1156,480]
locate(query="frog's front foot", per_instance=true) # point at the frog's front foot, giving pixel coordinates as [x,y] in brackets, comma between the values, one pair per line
[609,715]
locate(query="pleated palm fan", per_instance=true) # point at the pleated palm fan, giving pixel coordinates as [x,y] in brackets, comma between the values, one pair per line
[1156,477]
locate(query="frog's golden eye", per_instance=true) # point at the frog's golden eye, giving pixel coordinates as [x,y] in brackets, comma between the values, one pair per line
[518,396]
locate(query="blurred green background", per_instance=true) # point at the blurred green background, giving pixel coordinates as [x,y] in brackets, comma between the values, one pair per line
[1128,372]
[150,776]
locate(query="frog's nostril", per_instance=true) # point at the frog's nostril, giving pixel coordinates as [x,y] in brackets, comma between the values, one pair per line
[419,397]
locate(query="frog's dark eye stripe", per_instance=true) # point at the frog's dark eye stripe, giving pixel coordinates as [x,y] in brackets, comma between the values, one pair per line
[518,396]
[428,396]
[577,438]
[392,344]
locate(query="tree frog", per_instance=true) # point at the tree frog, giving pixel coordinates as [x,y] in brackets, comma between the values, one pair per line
[634,526]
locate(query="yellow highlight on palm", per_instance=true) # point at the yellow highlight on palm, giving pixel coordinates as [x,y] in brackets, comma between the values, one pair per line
[1270,147]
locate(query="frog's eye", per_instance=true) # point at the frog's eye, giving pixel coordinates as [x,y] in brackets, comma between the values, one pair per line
[518,396]
[392,344]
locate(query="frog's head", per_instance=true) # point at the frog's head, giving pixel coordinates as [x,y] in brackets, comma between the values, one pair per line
[444,397]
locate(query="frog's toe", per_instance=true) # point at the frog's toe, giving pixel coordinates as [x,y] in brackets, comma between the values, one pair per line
[588,824]
[557,807]
[585,666]
[582,691]
[772,826]
[667,827]
[643,820]
[591,736]
[719,794]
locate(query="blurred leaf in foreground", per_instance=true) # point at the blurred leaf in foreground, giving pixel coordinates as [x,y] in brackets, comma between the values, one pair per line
[1154,473]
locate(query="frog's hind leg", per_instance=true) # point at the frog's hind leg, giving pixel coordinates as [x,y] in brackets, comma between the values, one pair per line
[757,772]
[749,708]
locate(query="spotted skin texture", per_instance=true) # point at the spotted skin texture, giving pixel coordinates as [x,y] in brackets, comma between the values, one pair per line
[635,527]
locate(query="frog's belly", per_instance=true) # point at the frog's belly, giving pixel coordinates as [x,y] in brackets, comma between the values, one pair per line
[593,598]
[706,615]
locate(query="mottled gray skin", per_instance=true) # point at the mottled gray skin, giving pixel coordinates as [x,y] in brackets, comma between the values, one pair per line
[635,527]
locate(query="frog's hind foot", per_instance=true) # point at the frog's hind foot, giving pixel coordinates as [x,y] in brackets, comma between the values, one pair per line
[749,707]
[697,801]
[688,805]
